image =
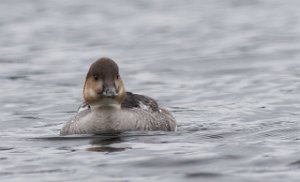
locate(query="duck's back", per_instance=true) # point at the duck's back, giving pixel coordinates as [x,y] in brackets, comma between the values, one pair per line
[140,101]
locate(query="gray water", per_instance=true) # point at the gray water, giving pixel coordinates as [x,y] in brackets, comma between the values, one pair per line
[229,71]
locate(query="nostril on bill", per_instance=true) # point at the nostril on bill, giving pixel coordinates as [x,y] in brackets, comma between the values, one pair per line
[110,92]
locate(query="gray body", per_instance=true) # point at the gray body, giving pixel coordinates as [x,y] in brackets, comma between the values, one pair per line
[114,120]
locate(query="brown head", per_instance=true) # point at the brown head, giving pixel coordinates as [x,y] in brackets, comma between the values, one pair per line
[103,85]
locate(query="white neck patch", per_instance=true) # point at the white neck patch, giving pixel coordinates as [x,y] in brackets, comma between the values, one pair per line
[107,102]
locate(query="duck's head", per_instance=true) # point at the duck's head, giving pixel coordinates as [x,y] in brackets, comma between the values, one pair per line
[103,85]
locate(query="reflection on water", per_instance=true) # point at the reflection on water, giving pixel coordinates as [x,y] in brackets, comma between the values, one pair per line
[103,145]
[228,70]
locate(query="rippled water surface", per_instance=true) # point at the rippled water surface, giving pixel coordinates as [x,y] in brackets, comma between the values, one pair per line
[228,70]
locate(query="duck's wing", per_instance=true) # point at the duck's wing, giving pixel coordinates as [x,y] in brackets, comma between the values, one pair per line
[140,101]
[83,108]
[82,111]
[68,128]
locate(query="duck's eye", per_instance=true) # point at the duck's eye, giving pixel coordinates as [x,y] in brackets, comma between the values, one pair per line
[118,76]
[95,77]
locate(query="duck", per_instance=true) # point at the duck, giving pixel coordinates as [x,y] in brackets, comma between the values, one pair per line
[109,108]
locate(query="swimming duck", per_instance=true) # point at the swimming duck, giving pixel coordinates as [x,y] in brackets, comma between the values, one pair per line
[108,108]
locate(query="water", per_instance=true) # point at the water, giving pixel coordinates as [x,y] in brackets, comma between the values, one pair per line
[228,70]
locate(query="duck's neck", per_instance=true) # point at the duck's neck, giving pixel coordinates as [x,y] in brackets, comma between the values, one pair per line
[105,106]
[105,103]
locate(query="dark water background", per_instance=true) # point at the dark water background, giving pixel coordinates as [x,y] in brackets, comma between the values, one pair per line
[229,70]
